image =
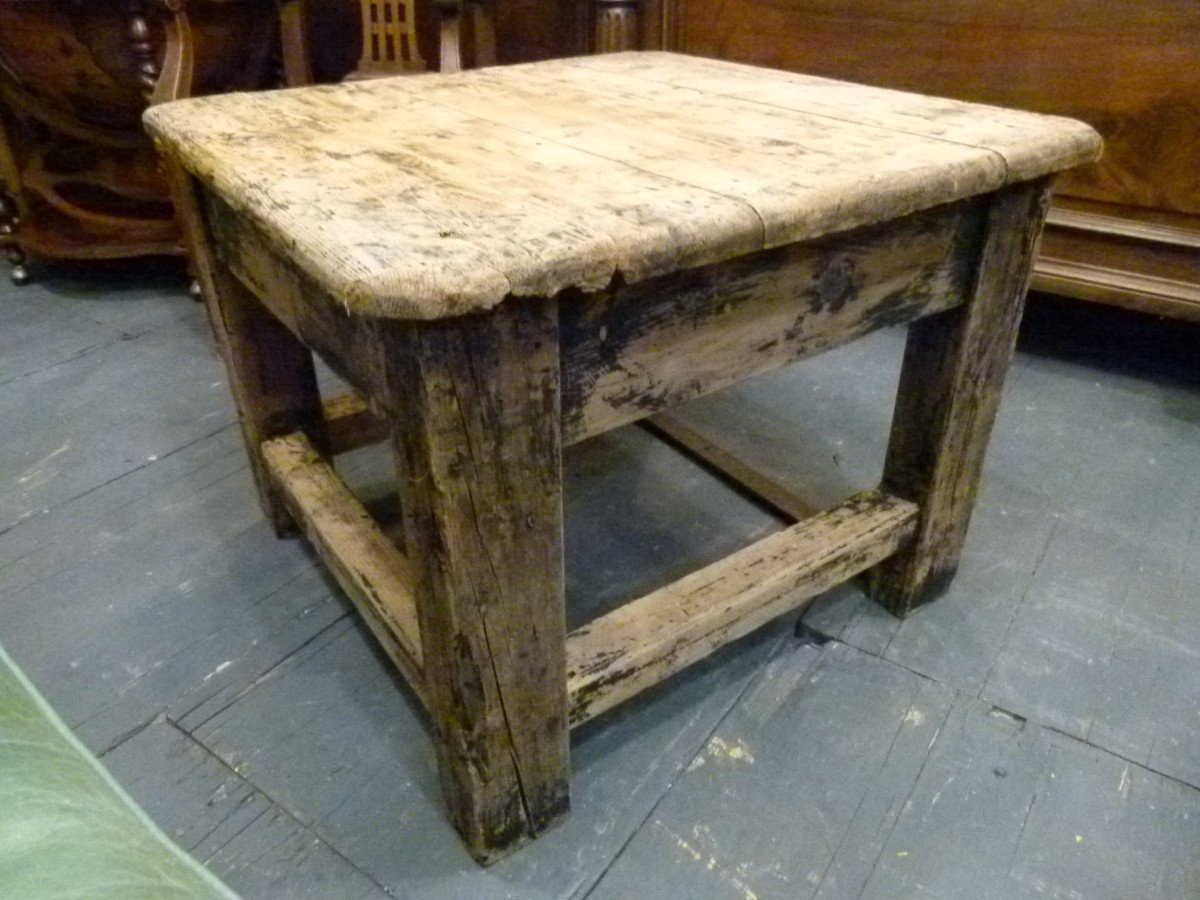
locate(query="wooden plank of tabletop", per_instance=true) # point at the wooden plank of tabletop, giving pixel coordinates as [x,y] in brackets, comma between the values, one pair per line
[1031,144]
[803,175]
[433,196]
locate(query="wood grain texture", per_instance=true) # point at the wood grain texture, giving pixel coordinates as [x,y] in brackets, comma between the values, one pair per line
[347,344]
[351,423]
[1132,70]
[528,180]
[637,350]
[950,386]
[367,565]
[476,424]
[73,85]
[271,373]
[1141,259]
[634,647]
[1025,144]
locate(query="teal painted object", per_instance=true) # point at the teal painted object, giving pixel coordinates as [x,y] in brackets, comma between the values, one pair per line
[67,829]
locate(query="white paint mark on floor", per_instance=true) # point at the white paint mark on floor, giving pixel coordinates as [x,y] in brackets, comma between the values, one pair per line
[36,475]
[219,669]
[707,859]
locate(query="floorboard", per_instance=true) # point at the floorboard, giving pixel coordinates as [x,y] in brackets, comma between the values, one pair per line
[251,842]
[1034,732]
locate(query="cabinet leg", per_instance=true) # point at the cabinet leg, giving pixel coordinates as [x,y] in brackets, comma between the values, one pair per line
[9,222]
[20,270]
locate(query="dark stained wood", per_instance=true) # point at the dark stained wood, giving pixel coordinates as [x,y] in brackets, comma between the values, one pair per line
[481,19]
[616,26]
[451,35]
[634,351]
[293,43]
[468,35]
[476,406]
[1137,258]
[950,386]
[74,79]
[271,373]
[1132,70]
[529,30]
[12,205]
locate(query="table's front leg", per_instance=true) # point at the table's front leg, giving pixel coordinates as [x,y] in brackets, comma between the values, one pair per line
[476,410]
[950,386]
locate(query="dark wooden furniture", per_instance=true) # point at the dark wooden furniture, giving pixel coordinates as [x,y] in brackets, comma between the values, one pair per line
[615,27]
[391,35]
[79,180]
[1124,231]
[78,177]
[508,261]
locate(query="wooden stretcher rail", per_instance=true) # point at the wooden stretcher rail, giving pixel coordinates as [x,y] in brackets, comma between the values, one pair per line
[351,424]
[367,564]
[630,649]
[774,494]
[620,654]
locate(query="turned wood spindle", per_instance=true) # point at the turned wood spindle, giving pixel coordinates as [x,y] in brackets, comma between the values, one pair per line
[616,26]
[143,47]
[9,220]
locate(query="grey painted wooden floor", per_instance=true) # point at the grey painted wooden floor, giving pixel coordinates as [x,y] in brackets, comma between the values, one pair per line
[1035,733]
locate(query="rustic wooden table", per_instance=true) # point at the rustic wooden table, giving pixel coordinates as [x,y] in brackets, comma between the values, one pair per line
[507,261]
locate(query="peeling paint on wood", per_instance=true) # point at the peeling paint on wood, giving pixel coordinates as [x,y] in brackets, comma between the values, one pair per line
[643,642]
[631,352]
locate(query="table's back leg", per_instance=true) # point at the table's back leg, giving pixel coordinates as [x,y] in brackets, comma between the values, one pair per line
[271,373]
[476,409]
[950,386]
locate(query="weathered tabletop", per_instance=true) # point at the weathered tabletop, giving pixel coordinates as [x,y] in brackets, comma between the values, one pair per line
[410,202]
[430,196]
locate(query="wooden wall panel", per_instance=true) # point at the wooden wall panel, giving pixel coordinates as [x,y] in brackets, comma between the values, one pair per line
[1131,68]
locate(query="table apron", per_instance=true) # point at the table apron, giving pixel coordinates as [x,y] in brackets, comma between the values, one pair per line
[631,351]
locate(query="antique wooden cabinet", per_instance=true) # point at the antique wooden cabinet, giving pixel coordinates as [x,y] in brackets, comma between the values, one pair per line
[1126,230]
[78,177]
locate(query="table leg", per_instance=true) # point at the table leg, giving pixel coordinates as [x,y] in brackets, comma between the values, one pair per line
[476,409]
[271,373]
[950,386]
